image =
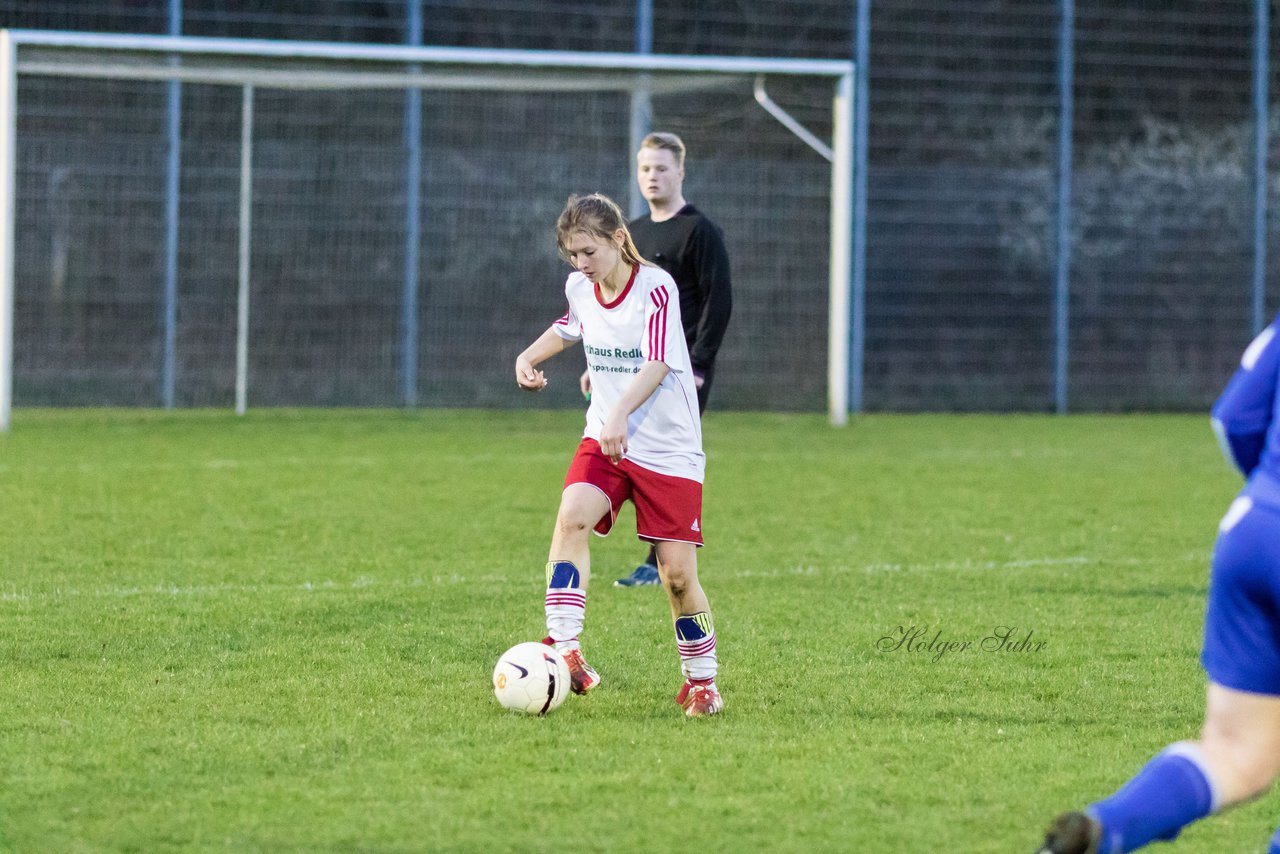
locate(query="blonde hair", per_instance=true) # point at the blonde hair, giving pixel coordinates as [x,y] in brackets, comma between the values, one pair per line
[666,142]
[599,216]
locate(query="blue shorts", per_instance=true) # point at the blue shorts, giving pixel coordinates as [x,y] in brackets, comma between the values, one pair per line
[1242,625]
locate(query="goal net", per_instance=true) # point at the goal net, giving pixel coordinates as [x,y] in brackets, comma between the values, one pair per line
[215,222]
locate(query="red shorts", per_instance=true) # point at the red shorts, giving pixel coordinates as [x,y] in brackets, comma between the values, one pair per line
[667,507]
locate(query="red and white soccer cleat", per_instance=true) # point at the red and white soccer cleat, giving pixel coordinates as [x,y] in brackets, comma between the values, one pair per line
[582,676]
[700,697]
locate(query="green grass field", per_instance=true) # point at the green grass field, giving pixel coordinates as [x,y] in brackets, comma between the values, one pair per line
[275,634]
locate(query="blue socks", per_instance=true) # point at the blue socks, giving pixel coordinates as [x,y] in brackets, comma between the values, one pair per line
[1170,792]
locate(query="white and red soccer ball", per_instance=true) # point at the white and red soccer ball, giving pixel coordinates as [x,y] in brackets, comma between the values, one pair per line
[532,678]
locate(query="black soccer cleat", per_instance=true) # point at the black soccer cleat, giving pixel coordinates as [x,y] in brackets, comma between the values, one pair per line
[1072,833]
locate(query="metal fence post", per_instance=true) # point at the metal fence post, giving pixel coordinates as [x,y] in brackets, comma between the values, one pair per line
[1261,123]
[861,117]
[641,103]
[1062,273]
[173,179]
[8,192]
[412,218]
[245,249]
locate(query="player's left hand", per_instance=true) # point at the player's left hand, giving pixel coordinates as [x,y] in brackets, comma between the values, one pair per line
[698,378]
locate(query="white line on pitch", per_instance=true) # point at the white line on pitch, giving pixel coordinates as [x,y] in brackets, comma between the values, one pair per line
[452,579]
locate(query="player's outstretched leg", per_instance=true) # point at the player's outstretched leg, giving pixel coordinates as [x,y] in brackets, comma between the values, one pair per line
[1238,753]
[1171,791]
[1235,759]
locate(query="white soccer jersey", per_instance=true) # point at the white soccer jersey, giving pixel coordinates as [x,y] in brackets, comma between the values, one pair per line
[641,325]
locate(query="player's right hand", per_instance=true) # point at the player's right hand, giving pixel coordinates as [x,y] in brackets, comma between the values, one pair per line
[584,383]
[528,377]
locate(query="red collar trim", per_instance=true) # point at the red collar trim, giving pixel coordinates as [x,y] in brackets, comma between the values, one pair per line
[635,270]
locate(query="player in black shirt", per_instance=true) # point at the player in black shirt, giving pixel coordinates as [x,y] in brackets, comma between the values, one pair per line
[681,240]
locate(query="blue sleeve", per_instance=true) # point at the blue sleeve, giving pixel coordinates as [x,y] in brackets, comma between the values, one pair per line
[1243,414]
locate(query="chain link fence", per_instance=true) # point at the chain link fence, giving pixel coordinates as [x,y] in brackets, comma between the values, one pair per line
[960,226]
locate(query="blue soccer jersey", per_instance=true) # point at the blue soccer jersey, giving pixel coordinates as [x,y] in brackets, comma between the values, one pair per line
[1242,623]
[1245,415]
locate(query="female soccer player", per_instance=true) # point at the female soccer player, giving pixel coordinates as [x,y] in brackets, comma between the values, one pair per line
[680,239]
[643,439]
[1238,753]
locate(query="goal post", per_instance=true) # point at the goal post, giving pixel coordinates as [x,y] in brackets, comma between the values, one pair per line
[257,67]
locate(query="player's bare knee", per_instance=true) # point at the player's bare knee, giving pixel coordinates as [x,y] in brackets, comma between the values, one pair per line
[1238,753]
[572,523]
[677,578]
[1257,769]
[1254,772]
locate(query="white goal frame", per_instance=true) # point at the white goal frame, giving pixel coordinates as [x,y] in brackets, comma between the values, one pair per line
[353,66]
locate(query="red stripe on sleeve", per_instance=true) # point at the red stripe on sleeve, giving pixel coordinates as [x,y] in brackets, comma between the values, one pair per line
[658,325]
[650,330]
